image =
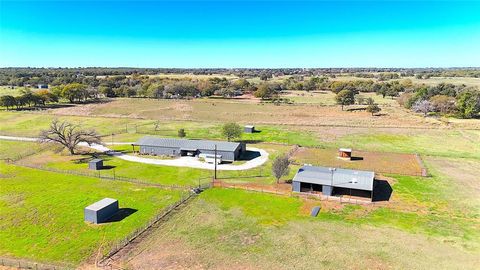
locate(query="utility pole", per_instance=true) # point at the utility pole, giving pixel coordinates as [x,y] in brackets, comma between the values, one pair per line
[215,173]
[331,180]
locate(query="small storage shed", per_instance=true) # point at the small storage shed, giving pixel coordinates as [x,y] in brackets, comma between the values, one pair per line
[315,211]
[95,164]
[249,129]
[101,211]
[345,153]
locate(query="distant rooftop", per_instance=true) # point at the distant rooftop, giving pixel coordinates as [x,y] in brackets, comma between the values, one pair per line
[336,177]
[187,144]
[345,149]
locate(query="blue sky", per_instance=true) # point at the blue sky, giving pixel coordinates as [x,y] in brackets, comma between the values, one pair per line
[240,33]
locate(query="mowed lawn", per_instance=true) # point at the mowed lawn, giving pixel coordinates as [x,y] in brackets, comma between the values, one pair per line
[17,149]
[42,214]
[442,143]
[30,124]
[115,167]
[166,175]
[251,230]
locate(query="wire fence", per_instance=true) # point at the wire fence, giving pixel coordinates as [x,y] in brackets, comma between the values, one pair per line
[398,163]
[202,182]
[29,152]
[283,192]
[119,245]
[23,264]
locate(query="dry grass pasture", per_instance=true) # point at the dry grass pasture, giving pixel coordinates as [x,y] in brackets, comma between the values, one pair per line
[381,162]
[212,110]
[463,174]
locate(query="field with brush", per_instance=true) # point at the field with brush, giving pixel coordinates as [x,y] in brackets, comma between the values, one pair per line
[245,111]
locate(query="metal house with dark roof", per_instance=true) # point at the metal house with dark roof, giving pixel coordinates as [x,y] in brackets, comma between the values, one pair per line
[229,151]
[331,181]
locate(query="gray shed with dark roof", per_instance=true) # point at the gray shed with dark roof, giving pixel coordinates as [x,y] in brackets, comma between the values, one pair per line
[328,180]
[101,211]
[95,164]
[249,129]
[229,151]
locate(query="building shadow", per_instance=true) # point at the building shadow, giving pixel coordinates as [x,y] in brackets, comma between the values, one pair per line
[252,141]
[121,214]
[382,191]
[356,158]
[107,167]
[249,155]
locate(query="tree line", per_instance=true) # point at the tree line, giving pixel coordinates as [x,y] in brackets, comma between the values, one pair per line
[444,99]
[447,99]
[57,76]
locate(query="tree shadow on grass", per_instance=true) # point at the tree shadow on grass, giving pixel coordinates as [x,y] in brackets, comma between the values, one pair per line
[382,191]
[121,215]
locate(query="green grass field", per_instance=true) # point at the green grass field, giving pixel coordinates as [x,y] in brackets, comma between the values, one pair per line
[5,90]
[63,162]
[42,214]
[253,230]
[17,149]
[428,222]
[445,143]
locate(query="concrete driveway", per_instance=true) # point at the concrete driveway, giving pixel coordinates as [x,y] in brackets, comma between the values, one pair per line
[191,162]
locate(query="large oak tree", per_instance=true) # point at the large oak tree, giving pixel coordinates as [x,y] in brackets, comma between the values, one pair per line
[69,135]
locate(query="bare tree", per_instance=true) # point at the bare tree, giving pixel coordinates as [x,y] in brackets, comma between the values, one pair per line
[280,167]
[423,106]
[69,135]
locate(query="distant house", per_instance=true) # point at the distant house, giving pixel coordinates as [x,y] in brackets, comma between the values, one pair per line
[345,153]
[334,181]
[228,151]
[249,129]
[42,86]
